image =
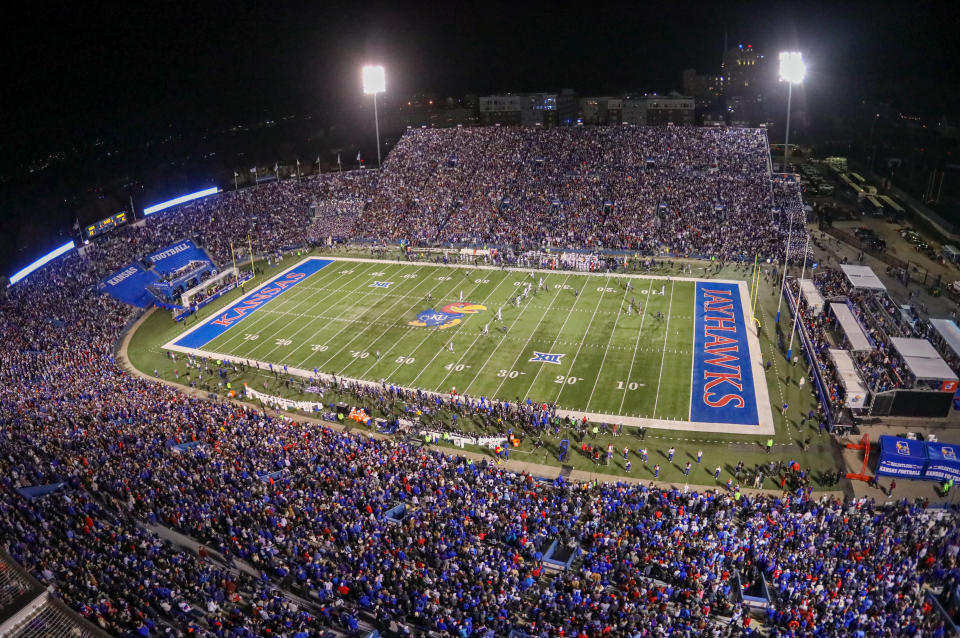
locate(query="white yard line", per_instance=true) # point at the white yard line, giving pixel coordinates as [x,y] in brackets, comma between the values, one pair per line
[760,390]
[606,350]
[236,338]
[579,348]
[404,316]
[308,299]
[388,309]
[636,346]
[520,353]
[541,271]
[512,324]
[666,335]
[459,328]
[629,421]
[693,351]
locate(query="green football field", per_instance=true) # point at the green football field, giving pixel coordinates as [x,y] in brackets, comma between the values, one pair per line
[622,351]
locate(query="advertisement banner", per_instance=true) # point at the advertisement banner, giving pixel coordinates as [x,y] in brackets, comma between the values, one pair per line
[901,457]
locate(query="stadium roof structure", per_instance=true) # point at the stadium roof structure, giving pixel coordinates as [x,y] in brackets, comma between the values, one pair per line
[862,277]
[847,371]
[924,361]
[29,610]
[859,341]
[950,333]
[812,295]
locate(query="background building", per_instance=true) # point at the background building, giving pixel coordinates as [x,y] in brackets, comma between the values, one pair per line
[601,110]
[426,110]
[706,90]
[659,110]
[529,109]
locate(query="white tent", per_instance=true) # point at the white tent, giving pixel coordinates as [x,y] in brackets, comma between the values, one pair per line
[923,360]
[847,371]
[862,277]
[811,296]
[950,333]
[851,327]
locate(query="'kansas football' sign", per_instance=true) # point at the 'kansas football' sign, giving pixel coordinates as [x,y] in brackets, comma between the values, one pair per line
[448,316]
[722,389]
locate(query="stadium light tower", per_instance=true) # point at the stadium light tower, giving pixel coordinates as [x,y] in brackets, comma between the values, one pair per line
[792,71]
[375,81]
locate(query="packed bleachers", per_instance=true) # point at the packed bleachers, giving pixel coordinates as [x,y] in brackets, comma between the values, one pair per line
[292,516]
[272,215]
[881,368]
[678,190]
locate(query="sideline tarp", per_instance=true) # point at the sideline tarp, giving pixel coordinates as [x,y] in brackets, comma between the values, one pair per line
[862,277]
[943,461]
[847,371]
[812,296]
[851,328]
[950,333]
[901,457]
[922,358]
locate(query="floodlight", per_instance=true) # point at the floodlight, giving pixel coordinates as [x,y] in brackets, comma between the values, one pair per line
[374,80]
[792,68]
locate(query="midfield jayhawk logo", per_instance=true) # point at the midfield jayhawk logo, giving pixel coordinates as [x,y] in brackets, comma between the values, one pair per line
[448,316]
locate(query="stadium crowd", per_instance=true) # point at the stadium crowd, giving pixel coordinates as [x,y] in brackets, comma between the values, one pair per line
[293,517]
[680,190]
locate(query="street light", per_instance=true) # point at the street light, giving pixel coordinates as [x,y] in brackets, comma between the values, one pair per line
[792,70]
[375,81]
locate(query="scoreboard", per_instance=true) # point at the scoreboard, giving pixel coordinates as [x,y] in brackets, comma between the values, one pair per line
[106,225]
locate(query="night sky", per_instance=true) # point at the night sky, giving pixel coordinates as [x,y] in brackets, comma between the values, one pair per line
[74,72]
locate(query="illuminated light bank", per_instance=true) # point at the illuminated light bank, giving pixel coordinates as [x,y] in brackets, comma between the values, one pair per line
[149,210]
[40,263]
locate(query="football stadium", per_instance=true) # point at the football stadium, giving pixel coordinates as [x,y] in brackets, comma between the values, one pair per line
[517,381]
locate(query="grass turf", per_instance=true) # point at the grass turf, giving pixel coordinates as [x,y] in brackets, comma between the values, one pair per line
[612,362]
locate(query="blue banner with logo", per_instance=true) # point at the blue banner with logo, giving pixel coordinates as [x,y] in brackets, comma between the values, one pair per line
[943,462]
[129,285]
[176,256]
[722,389]
[901,457]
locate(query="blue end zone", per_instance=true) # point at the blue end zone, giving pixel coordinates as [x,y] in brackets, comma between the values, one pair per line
[722,389]
[246,306]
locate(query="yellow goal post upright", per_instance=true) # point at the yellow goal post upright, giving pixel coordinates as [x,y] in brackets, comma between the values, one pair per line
[754,289]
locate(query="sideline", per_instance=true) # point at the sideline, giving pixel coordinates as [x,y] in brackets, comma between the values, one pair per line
[539,470]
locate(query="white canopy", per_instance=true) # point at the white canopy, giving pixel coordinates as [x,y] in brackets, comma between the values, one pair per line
[923,360]
[950,333]
[847,371]
[851,327]
[862,277]
[811,295]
